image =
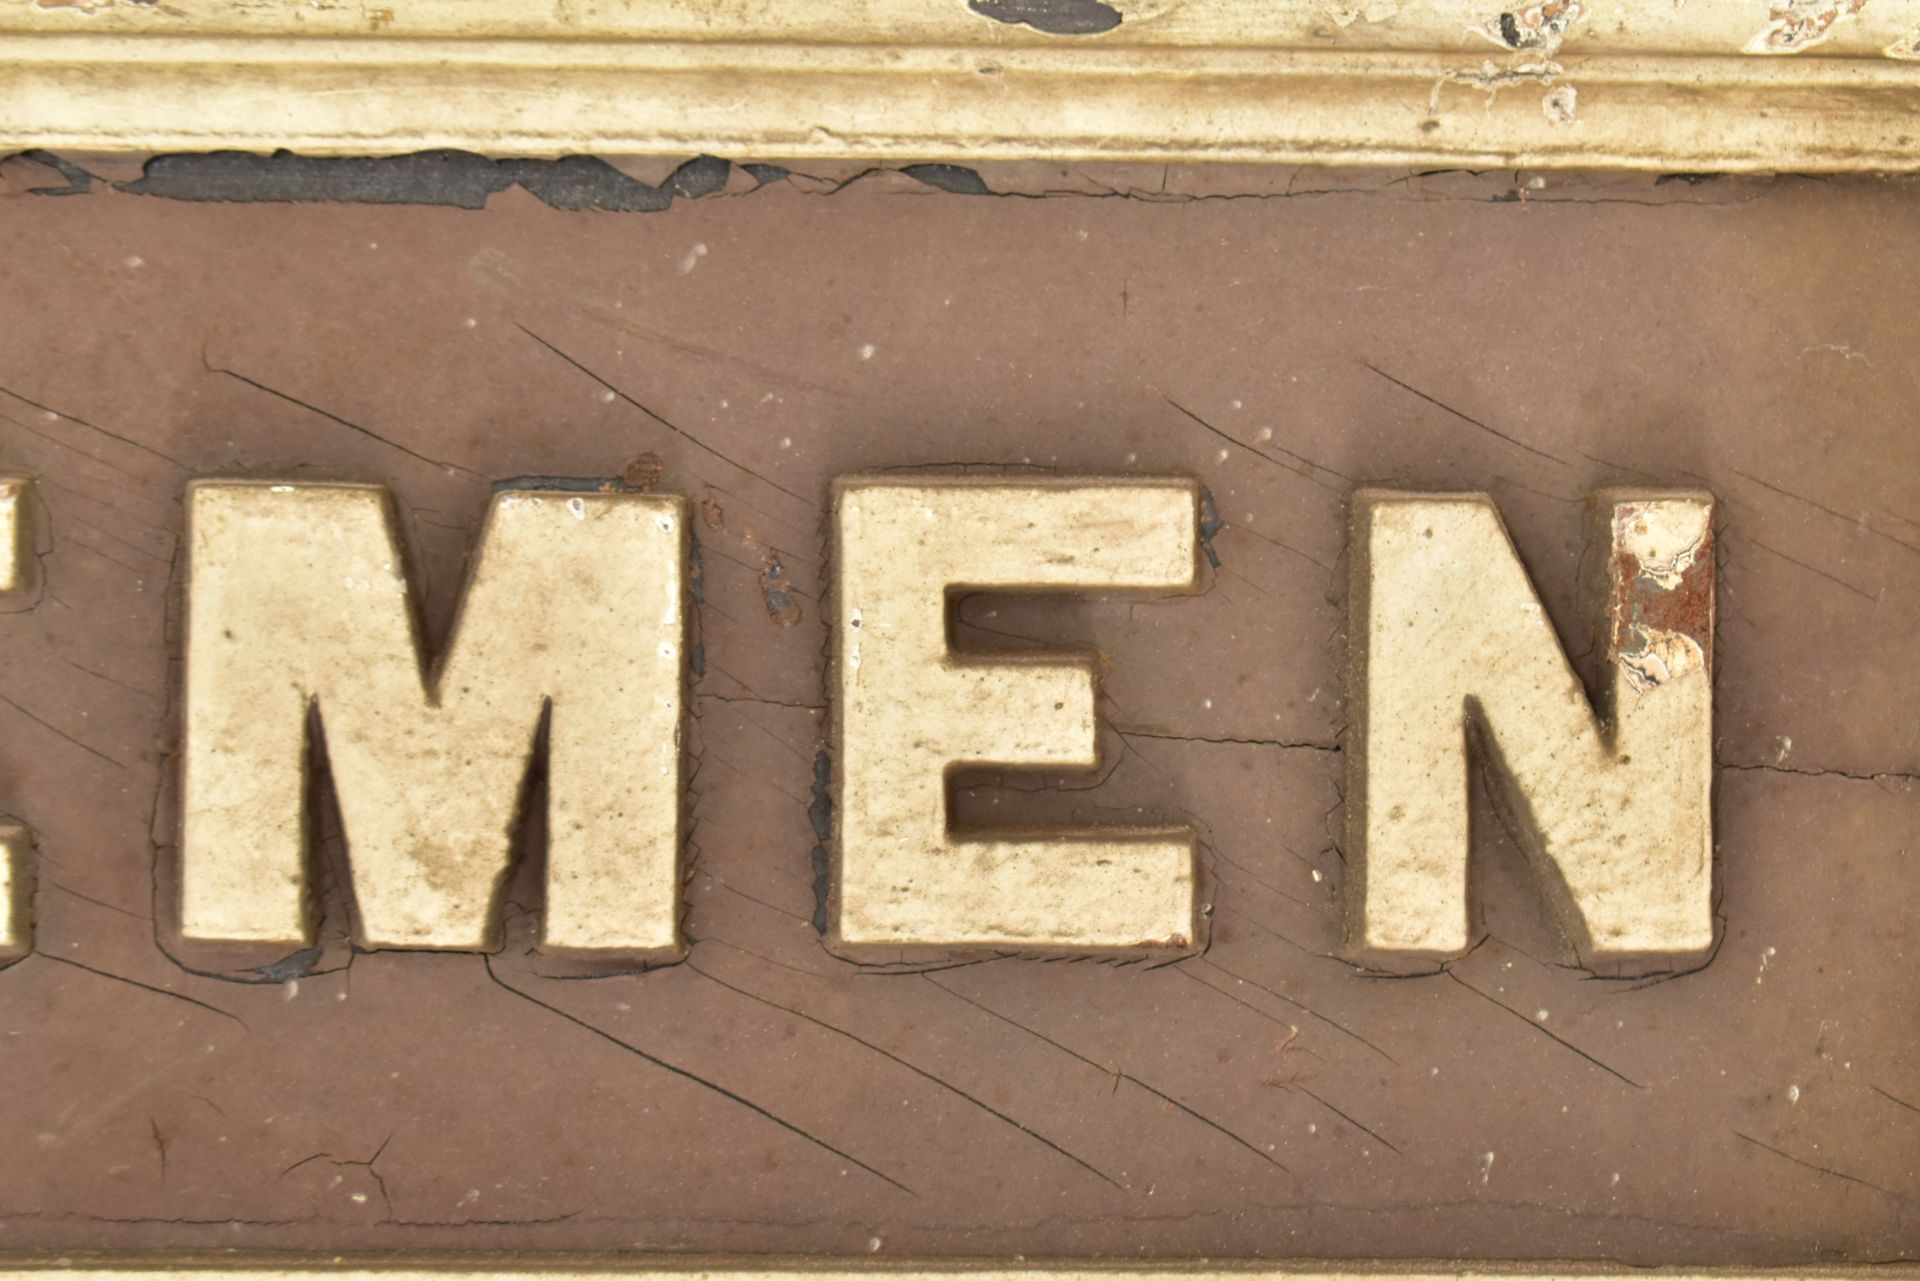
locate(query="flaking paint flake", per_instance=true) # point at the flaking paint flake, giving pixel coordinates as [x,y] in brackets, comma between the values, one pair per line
[1561,105]
[1664,539]
[1793,25]
[1663,594]
[1535,27]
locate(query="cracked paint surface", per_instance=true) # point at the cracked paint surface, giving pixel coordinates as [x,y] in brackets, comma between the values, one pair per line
[1321,328]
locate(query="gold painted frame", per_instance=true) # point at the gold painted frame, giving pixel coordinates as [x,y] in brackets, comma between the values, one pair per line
[1711,85]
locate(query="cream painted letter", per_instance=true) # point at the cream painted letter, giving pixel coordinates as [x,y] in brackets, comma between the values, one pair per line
[908,710]
[16,892]
[1449,643]
[16,870]
[297,598]
[16,550]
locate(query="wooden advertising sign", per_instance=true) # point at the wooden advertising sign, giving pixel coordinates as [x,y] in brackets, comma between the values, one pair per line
[374,558]
[1068,719]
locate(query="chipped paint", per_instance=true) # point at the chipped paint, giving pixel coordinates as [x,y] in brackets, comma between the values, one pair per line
[1662,539]
[1055,17]
[1535,27]
[968,80]
[1561,105]
[1658,656]
[1453,655]
[777,593]
[1662,591]
[1490,79]
[1793,25]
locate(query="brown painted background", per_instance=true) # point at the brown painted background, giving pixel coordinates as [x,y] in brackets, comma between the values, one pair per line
[1281,336]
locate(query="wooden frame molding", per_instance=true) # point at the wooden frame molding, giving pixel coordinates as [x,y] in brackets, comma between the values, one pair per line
[657,1268]
[1710,85]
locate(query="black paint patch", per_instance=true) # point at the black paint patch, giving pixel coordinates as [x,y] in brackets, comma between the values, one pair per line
[958,179]
[569,485]
[1510,30]
[700,176]
[820,814]
[296,965]
[1055,17]
[782,608]
[79,181]
[457,178]
[1210,524]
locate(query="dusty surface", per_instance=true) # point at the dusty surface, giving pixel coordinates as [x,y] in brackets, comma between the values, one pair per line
[1754,339]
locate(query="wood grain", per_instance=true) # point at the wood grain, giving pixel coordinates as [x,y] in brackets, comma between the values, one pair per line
[1282,337]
